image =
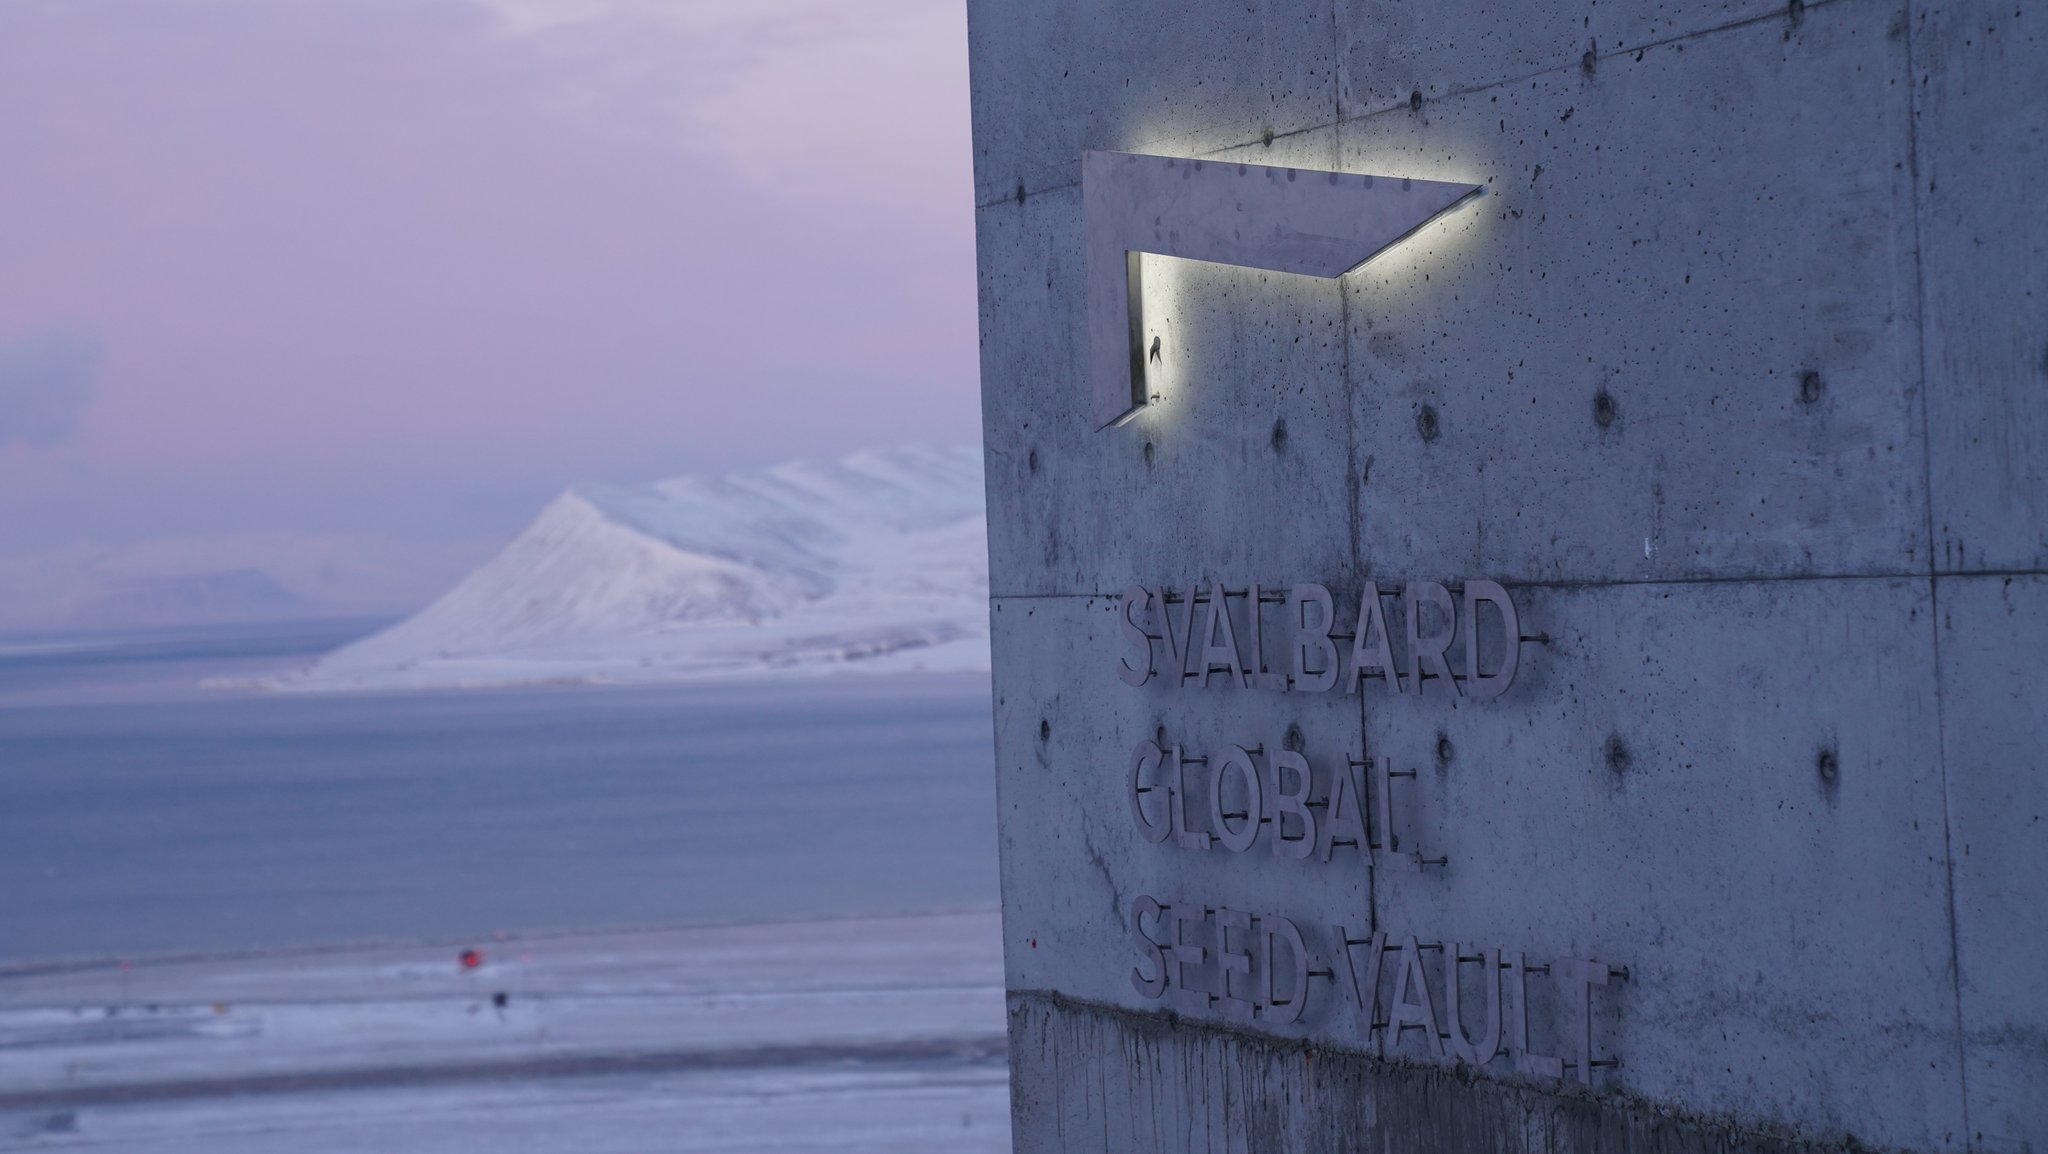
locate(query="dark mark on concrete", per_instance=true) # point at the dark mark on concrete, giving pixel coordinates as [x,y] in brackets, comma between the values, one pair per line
[1619,759]
[1425,423]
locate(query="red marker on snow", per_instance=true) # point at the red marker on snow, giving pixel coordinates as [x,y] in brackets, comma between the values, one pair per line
[471,959]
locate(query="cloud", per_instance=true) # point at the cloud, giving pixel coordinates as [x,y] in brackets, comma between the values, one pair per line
[45,382]
[807,99]
[536,17]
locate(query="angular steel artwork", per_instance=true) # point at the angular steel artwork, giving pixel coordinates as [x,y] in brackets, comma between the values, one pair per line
[1295,220]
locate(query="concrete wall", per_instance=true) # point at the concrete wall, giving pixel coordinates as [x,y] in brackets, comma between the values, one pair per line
[1737,377]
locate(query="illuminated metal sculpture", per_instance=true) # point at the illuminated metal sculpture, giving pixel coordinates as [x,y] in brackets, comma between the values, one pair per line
[1293,220]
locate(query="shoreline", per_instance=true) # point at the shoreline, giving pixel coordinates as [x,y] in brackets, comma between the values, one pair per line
[914,1000]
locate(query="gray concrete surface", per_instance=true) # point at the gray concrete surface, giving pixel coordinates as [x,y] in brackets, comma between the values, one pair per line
[1738,379]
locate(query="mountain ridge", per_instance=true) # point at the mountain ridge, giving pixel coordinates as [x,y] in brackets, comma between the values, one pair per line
[875,562]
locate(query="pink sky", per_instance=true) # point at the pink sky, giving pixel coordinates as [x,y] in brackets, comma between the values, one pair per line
[411,266]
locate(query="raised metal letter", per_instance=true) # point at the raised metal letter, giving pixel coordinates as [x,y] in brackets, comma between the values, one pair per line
[1417,1012]
[1527,1060]
[1136,597]
[1481,1052]
[1219,639]
[1346,815]
[1235,840]
[1229,961]
[1177,644]
[1187,838]
[1372,621]
[1278,1009]
[1426,655]
[1188,953]
[1291,803]
[1143,754]
[1495,684]
[1148,949]
[1365,986]
[1583,976]
[1312,637]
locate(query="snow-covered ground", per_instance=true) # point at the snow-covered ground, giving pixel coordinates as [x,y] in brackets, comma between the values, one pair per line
[871,1034]
[874,563]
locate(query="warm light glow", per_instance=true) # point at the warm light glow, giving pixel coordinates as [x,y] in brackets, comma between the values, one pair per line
[1298,222]
[1200,312]
[1435,248]
[1196,311]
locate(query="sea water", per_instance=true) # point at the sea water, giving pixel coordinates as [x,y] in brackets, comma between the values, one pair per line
[141,814]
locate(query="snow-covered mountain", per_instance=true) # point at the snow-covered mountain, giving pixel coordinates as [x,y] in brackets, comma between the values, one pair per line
[196,582]
[230,596]
[874,563]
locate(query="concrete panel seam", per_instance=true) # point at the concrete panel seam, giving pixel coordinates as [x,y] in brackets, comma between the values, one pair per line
[1023,193]
[1776,12]
[1955,956]
[1632,582]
